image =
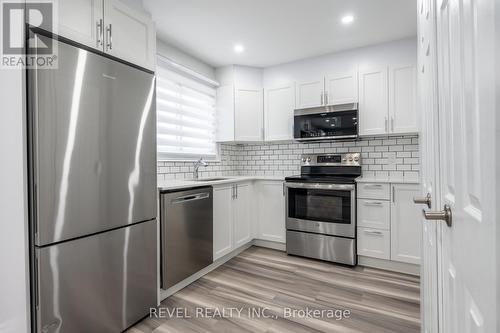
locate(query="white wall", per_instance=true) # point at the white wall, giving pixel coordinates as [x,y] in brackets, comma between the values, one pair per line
[397,52]
[184,59]
[14,300]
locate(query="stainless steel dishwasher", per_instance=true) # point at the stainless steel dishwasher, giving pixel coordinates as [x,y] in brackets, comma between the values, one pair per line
[186,233]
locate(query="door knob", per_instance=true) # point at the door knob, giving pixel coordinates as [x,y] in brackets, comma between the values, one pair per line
[444,215]
[427,200]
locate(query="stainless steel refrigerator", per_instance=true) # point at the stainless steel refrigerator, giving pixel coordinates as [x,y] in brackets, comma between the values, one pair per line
[93,204]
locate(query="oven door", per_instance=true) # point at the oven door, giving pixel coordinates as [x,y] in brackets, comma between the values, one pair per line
[314,125]
[328,209]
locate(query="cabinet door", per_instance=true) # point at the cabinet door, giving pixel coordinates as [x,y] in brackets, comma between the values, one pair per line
[225,113]
[223,220]
[271,211]
[242,215]
[342,88]
[405,224]
[278,112]
[402,99]
[129,34]
[374,243]
[81,21]
[248,114]
[373,101]
[309,93]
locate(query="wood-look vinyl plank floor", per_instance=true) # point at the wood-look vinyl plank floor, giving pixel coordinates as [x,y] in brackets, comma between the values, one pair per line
[378,300]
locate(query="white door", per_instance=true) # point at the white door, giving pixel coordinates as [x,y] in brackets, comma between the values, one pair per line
[465,164]
[402,99]
[81,21]
[342,88]
[242,215]
[223,220]
[467,137]
[428,107]
[248,114]
[279,103]
[373,101]
[309,93]
[271,211]
[129,34]
[405,224]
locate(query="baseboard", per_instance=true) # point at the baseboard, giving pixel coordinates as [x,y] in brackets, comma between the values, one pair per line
[270,244]
[186,282]
[395,266]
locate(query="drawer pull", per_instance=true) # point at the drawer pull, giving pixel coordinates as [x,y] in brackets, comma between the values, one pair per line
[373,186]
[373,203]
[373,232]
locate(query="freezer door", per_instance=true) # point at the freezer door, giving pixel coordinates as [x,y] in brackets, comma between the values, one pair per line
[100,283]
[94,145]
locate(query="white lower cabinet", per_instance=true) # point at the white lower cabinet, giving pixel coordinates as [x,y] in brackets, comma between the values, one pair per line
[242,214]
[232,213]
[388,222]
[374,243]
[405,224]
[223,220]
[271,211]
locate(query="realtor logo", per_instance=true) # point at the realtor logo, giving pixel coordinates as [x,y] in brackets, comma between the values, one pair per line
[38,50]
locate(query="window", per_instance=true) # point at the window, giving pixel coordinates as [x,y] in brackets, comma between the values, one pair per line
[185,116]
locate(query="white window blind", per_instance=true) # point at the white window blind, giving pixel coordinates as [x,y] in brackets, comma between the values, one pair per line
[186,122]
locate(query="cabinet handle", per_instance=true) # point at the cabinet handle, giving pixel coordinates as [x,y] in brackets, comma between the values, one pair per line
[386,129]
[284,189]
[322,98]
[109,41]
[373,186]
[393,195]
[99,32]
[373,203]
[392,124]
[373,232]
[236,191]
[326,97]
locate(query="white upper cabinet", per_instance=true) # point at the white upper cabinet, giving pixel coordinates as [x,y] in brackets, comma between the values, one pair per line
[405,224]
[341,88]
[248,114]
[82,21]
[373,103]
[109,26]
[402,99]
[129,34]
[310,93]
[279,103]
[240,104]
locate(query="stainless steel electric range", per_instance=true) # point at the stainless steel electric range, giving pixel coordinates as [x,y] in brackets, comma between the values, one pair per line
[321,208]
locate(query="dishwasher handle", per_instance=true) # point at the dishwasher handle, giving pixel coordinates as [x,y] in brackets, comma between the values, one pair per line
[191,197]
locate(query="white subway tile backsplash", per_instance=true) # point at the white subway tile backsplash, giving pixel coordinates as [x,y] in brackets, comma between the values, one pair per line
[381,157]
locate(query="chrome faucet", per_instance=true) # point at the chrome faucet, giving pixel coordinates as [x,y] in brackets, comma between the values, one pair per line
[197,165]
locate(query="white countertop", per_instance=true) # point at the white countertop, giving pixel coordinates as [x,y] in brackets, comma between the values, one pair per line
[174,184]
[394,180]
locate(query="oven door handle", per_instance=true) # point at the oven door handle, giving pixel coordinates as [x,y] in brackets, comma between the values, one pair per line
[319,186]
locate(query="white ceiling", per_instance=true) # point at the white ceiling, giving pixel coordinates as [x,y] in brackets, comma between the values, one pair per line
[278,31]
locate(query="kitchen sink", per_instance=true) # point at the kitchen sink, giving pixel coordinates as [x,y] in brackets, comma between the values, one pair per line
[210,179]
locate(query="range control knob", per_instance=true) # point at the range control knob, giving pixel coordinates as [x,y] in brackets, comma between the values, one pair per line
[356,158]
[308,160]
[303,160]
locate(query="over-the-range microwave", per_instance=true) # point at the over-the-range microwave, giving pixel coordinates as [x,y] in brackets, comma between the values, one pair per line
[326,123]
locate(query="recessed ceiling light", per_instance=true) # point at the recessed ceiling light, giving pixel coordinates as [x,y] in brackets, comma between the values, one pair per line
[238,48]
[347,19]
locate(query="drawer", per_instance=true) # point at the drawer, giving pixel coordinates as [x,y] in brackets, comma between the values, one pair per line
[374,213]
[374,243]
[374,191]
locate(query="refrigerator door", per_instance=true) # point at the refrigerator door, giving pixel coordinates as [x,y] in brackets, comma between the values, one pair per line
[101,283]
[94,145]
